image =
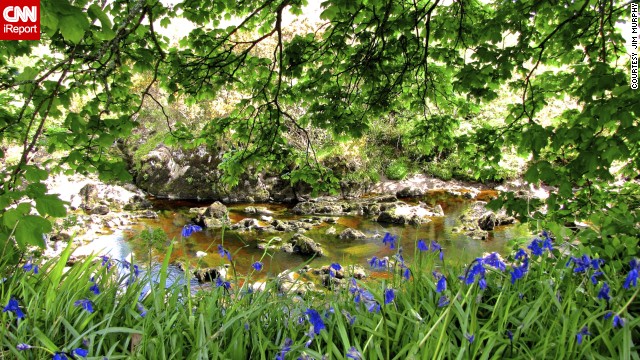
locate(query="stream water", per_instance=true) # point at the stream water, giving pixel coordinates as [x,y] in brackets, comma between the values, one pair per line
[458,248]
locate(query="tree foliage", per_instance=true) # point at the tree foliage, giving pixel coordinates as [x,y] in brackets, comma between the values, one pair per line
[437,60]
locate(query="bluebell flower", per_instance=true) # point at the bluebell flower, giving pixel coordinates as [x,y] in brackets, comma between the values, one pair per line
[373,261]
[521,254]
[390,239]
[476,271]
[406,274]
[23,347]
[141,310]
[618,321]
[350,318]
[632,277]
[14,307]
[189,229]
[95,289]
[336,266]
[443,301]
[510,335]
[29,266]
[603,294]
[315,320]
[106,261]
[136,270]
[389,295]
[372,306]
[516,273]
[85,304]
[353,353]
[257,266]
[594,277]
[286,347]
[59,356]
[583,332]
[422,246]
[80,352]
[221,283]
[495,261]
[224,252]
[535,247]
[442,284]
[470,337]
[608,315]
[436,247]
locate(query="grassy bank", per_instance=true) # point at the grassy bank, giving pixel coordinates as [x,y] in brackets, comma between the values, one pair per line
[537,303]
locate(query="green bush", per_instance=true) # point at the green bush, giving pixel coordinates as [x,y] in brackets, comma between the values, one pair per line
[397,169]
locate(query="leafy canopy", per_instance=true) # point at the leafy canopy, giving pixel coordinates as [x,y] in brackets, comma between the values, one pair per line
[360,60]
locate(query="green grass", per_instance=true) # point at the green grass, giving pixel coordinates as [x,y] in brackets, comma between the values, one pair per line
[544,310]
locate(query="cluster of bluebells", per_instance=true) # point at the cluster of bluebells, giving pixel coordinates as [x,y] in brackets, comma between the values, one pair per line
[586,265]
[477,270]
[363,296]
[14,307]
[189,229]
[391,240]
[538,246]
[521,265]
[433,247]
[379,263]
[30,266]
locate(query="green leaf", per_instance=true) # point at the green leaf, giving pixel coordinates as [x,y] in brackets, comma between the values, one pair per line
[50,205]
[30,230]
[74,27]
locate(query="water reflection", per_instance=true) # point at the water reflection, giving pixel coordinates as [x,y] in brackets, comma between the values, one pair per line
[458,248]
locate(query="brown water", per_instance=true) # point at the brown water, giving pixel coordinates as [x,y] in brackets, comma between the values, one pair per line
[458,248]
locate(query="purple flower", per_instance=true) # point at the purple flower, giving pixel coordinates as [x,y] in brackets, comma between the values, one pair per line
[141,310]
[470,337]
[389,295]
[390,239]
[618,321]
[436,247]
[422,246]
[608,315]
[80,352]
[442,284]
[95,289]
[583,332]
[632,277]
[336,267]
[106,261]
[594,277]
[59,356]
[510,335]
[443,301]
[406,274]
[23,347]
[224,252]
[286,347]
[14,307]
[30,267]
[85,304]
[221,283]
[189,229]
[604,292]
[351,319]
[257,266]
[315,320]
[353,353]
[494,260]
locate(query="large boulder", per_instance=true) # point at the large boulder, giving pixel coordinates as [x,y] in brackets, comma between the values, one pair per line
[214,216]
[305,245]
[352,234]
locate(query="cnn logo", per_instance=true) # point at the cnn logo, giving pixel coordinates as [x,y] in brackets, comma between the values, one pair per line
[20,20]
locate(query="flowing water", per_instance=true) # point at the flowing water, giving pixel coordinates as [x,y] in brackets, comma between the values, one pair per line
[458,248]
